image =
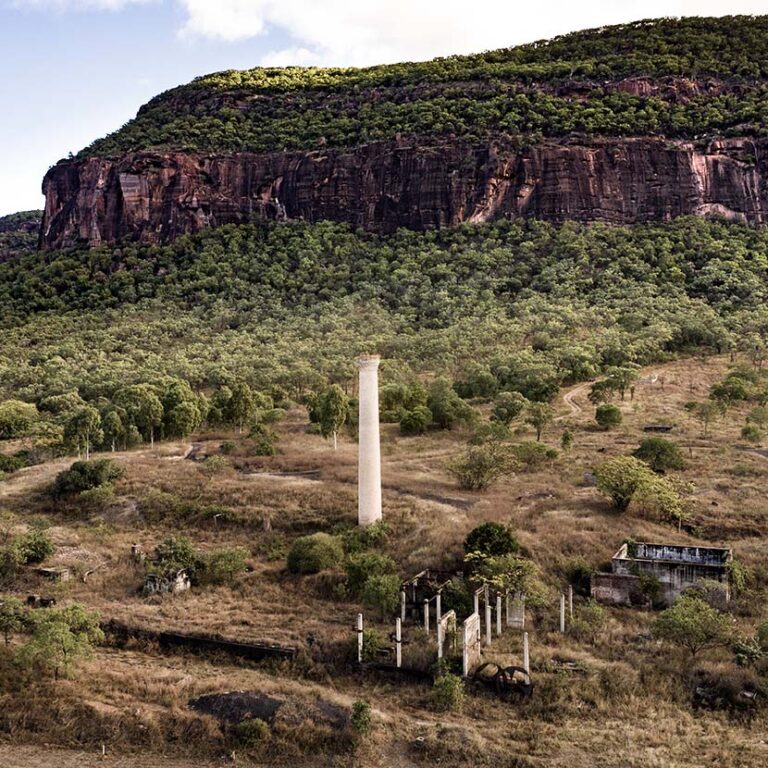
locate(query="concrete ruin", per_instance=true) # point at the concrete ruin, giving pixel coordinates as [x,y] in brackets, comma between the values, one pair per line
[676,567]
[369,450]
[169,583]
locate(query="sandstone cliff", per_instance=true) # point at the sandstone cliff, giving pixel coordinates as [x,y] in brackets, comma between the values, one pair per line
[155,197]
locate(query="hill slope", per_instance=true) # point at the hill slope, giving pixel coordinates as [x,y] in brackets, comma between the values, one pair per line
[640,122]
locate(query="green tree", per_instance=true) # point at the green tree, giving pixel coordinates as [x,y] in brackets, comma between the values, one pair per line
[491,539]
[333,410]
[566,441]
[315,553]
[182,414]
[608,416]
[11,617]
[539,416]
[446,407]
[481,465]
[621,377]
[692,624]
[707,412]
[143,407]
[416,421]
[113,426]
[241,406]
[659,500]
[16,419]
[619,478]
[381,593]
[507,406]
[83,429]
[660,454]
[60,636]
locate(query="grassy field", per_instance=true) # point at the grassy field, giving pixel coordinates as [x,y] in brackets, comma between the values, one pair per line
[627,705]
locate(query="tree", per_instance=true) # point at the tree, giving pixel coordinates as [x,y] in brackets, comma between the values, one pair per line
[620,377]
[539,415]
[600,392]
[182,414]
[113,426]
[507,406]
[659,500]
[60,636]
[382,593]
[143,407]
[416,421]
[566,441]
[620,477]
[481,465]
[333,410]
[85,475]
[707,412]
[16,419]
[692,624]
[491,539]
[83,429]
[660,454]
[241,406]
[446,407]
[11,617]
[315,553]
[608,416]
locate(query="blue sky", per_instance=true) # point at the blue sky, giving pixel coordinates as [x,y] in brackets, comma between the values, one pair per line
[74,70]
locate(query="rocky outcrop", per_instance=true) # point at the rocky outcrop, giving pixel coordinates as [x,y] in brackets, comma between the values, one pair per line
[154,197]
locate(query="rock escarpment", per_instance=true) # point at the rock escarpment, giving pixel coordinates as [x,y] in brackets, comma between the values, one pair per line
[156,197]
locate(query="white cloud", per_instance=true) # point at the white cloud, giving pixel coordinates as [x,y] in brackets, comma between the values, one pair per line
[358,32]
[79,5]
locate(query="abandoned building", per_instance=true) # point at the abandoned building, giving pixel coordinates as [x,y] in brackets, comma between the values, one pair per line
[676,568]
[171,583]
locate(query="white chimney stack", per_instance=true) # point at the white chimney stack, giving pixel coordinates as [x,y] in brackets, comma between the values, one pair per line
[369,457]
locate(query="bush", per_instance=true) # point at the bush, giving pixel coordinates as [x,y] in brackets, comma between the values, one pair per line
[177,553]
[33,547]
[481,465]
[608,416]
[373,644]
[252,732]
[84,475]
[693,625]
[507,406]
[264,441]
[223,565]
[361,717]
[588,621]
[751,433]
[416,421]
[365,565]
[491,540]
[448,693]
[315,553]
[660,454]
[619,478]
[9,464]
[532,455]
[358,539]
[381,593]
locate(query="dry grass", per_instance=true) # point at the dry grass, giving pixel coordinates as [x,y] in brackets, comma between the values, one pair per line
[629,708]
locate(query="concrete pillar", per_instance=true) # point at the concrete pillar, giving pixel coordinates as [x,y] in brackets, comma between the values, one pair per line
[508,601]
[369,451]
[526,657]
[438,608]
[487,623]
[562,612]
[477,604]
[426,615]
[398,643]
[570,602]
[439,640]
[498,614]
[359,638]
[402,605]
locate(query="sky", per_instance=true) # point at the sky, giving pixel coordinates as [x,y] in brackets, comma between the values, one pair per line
[75,70]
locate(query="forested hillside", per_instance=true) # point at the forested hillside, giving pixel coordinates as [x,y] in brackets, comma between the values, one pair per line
[19,233]
[689,78]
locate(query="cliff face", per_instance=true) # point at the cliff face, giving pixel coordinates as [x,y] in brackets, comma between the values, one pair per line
[155,197]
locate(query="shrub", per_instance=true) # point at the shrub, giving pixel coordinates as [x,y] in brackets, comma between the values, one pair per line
[751,433]
[215,465]
[416,421]
[359,539]
[660,454]
[588,621]
[692,624]
[446,407]
[9,464]
[176,553]
[99,496]
[227,447]
[264,441]
[608,416]
[448,693]
[381,593]
[315,553]
[16,419]
[33,547]
[619,478]
[84,475]
[481,465]
[365,565]
[657,499]
[223,565]
[252,732]
[532,455]
[373,644]
[361,717]
[507,406]
[578,572]
[491,539]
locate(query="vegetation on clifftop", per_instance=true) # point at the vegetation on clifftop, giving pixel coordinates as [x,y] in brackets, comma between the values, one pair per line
[709,78]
